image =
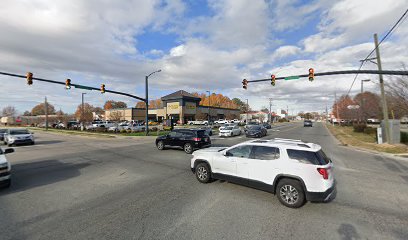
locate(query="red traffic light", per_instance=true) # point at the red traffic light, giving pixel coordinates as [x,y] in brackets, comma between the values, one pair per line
[245,84]
[273,80]
[311,74]
[29,78]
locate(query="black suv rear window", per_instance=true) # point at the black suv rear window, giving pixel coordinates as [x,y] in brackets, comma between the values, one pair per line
[315,158]
[201,133]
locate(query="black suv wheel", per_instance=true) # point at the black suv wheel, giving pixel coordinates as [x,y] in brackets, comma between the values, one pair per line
[290,193]
[188,148]
[160,145]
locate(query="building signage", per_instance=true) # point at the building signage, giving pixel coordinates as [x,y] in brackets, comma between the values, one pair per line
[173,107]
[190,107]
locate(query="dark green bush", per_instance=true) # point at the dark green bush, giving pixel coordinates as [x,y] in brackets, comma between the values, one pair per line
[404,137]
[359,127]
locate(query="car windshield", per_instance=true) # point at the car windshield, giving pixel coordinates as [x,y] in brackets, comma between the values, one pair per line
[254,127]
[19,131]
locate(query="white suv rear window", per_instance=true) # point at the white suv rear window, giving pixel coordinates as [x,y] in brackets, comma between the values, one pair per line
[315,158]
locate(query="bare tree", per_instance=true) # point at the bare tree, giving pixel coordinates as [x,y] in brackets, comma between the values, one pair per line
[397,95]
[9,111]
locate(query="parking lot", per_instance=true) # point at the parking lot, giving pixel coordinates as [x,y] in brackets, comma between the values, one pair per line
[73,187]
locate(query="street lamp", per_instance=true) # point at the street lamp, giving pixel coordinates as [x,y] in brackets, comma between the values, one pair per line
[147,100]
[83,111]
[362,97]
[247,106]
[209,95]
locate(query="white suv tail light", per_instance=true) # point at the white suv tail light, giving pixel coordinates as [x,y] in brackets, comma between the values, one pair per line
[324,172]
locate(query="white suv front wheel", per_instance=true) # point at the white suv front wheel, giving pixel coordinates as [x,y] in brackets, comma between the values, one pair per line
[203,172]
[290,193]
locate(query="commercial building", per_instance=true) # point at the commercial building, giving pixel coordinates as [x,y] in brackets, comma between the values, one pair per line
[180,106]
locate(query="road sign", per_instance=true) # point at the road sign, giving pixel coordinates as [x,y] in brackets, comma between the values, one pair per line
[353,106]
[291,78]
[83,87]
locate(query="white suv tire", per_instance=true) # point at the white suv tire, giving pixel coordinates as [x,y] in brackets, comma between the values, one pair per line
[290,193]
[203,172]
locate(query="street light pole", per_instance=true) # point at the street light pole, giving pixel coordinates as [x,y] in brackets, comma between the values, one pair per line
[247,106]
[362,98]
[83,111]
[209,104]
[147,101]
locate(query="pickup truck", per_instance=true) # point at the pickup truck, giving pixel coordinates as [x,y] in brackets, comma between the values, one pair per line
[198,122]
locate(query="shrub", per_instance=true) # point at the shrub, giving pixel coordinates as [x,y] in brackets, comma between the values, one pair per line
[283,120]
[154,129]
[123,131]
[359,127]
[404,137]
[370,130]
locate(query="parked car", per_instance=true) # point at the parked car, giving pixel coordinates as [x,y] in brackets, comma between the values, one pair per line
[118,127]
[266,125]
[73,125]
[198,122]
[208,131]
[255,131]
[18,136]
[307,123]
[230,131]
[293,170]
[103,124]
[2,132]
[221,121]
[188,139]
[5,168]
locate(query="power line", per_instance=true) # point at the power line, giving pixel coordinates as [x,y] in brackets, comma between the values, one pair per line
[400,20]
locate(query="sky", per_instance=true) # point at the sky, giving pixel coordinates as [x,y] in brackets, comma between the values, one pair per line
[198,45]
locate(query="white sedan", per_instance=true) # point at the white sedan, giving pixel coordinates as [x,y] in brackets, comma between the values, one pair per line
[230,131]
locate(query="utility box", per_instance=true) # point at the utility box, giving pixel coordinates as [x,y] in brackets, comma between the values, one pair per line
[395,131]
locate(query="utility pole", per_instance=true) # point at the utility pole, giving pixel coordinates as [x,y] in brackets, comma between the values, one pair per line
[384,101]
[46,114]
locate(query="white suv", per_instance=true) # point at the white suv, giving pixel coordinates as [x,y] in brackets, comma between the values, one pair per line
[296,171]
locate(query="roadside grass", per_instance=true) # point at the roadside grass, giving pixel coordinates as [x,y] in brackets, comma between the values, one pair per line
[347,136]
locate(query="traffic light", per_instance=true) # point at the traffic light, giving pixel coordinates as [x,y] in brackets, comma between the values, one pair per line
[68,84]
[29,78]
[273,80]
[245,84]
[102,88]
[311,74]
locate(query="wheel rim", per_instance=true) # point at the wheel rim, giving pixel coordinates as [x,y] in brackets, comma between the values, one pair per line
[202,173]
[289,194]
[160,145]
[187,148]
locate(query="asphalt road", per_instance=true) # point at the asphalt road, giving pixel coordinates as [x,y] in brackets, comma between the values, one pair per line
[68,187]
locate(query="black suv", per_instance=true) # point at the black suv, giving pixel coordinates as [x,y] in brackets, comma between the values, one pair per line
[188,139]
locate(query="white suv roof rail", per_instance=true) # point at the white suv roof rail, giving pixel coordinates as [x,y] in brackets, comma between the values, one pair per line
[287,140]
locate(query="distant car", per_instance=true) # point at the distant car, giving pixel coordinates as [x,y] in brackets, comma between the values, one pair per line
[2,132]
[266,125]
[221,121]
[18,136]
[307,123]
[188,139]
[293,170]
[373,121]
[230,131]
[255,131]
[5,168]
